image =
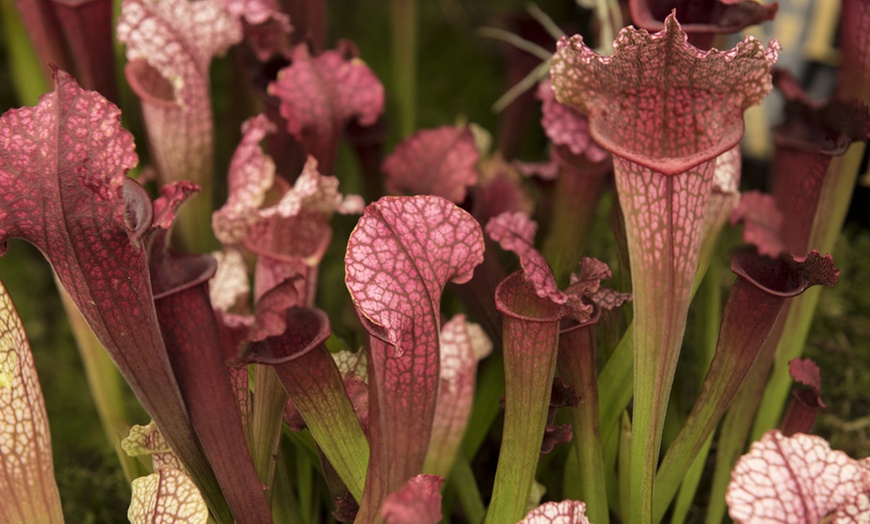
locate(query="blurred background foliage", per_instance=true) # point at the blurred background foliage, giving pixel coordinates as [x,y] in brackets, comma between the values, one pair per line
[460,74]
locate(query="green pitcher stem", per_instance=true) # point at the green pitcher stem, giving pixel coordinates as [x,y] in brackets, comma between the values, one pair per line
[686,495]
[485,409]
[732,435]
[29,81]
[711,302]
[270,398]
[615,387]
[531,343]
[528,381]
[193,224]
[624,466]
[466,489]
[285,509]
[329,415]
[403,28]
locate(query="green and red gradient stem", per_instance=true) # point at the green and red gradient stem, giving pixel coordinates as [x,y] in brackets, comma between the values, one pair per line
[190,333]
[576,362]
[754,302]
[665,110]
[311,378]
[664,242]
[814,174]
[531,343]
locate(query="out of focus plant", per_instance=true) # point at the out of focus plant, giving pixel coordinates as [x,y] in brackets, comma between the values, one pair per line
[263,407]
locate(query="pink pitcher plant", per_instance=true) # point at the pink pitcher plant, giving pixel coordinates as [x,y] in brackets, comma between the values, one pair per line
[389,361]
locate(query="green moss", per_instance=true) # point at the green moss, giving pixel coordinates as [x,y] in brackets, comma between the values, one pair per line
[839,343]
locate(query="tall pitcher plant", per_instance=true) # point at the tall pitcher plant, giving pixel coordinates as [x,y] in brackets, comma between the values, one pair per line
[666,111]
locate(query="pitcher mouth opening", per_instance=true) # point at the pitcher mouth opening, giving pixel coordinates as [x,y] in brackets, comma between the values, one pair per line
[670,165]
[151,86]
[311,329]
[783,276]
[515,297]
[188,271]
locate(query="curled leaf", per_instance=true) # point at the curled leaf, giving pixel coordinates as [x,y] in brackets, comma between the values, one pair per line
[566,126]
[320,95]
[762,222]
[167,496]
[418,502]
[515,231]
[400,256]
[565,512]
[438,161]
[251,174]
[797,479]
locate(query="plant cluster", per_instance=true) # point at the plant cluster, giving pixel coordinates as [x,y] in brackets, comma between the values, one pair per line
[473,364]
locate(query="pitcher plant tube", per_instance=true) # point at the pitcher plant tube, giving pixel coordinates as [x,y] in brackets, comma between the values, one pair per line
[400,256]
[27,482]
[91,230]
[665,110]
